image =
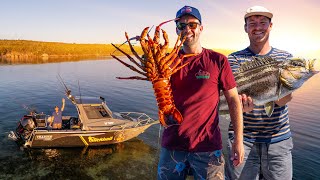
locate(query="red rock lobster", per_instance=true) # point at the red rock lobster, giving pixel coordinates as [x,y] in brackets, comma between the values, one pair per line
[157,66]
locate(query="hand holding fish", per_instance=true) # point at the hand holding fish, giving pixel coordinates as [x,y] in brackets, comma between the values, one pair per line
[246,103]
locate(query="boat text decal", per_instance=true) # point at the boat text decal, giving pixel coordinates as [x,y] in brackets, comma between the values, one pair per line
[44,137]
[93,139]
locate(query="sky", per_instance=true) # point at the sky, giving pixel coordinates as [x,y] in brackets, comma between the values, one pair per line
[296,26]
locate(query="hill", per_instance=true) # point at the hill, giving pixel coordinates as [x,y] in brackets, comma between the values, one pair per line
[27,51]
[24,49]
[225,52]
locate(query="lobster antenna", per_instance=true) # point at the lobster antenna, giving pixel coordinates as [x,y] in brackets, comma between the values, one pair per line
[150,28]
[133,38]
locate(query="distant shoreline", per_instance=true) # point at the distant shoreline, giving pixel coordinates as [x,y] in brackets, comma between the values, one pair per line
[35,52]
[26,51]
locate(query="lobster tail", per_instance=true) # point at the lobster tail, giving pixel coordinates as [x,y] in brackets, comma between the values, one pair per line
[177,116]
[173,117]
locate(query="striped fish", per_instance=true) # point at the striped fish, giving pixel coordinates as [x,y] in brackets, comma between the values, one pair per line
[266,80]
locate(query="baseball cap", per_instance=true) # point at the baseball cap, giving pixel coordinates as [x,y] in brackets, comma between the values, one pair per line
[189,10]
[258,10]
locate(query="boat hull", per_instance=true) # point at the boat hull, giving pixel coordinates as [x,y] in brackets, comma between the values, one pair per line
[79,138]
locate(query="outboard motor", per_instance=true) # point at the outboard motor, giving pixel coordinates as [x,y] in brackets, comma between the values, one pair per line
[25,126]
[27,123]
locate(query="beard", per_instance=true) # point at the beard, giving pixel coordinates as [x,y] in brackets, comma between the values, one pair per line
[191,39]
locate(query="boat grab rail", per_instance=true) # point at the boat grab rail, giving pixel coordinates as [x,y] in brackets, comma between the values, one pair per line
[137,117]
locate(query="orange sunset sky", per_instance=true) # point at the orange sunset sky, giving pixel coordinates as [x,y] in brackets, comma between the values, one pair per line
[296,22]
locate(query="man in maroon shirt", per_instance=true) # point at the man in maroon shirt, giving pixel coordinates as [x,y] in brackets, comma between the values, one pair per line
[195,145]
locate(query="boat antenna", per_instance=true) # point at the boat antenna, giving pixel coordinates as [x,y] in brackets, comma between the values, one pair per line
[66,89]
[79,91]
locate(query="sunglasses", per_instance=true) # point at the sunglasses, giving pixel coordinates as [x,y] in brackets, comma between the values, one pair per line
[192,25]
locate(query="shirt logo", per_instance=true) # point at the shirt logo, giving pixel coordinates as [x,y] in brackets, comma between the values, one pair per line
[202,75]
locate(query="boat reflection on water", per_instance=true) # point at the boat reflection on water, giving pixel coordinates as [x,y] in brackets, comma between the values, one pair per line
[85,152]
[96,151]
[132,159]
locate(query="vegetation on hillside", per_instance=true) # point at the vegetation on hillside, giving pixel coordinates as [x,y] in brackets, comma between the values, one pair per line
[25,48]
[26,51]
[225,52]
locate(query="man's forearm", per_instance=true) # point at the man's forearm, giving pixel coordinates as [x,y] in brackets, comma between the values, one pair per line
[235,111]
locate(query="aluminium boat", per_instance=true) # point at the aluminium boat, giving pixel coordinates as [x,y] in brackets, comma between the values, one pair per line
[95,125]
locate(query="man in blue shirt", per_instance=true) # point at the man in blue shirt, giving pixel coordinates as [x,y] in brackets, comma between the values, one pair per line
[57,116]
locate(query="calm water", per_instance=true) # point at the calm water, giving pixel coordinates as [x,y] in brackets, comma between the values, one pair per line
[37,86]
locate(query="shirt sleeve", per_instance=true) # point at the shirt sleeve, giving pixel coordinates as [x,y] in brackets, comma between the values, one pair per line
[227,80]
[233,63]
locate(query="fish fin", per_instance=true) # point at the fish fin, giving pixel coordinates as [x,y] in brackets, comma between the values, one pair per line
[279,85]
[258,62]
[279,91]
[269,107]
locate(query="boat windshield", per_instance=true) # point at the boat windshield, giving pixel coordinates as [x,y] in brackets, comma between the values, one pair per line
[96,112]
[88,100]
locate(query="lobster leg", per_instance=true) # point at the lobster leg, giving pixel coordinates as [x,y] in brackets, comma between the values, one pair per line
[150,63]
[153,49]
[133,51]
[159,51]
[156,37]
[165,46]
[130,58]
[172,56]
[143,44]
[129,66]
[175,68]
[133,77]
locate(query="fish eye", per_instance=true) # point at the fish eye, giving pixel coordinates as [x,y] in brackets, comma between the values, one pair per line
[298,63]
